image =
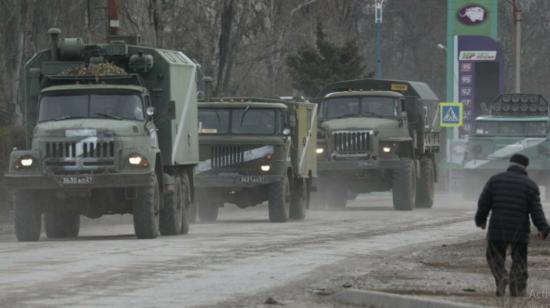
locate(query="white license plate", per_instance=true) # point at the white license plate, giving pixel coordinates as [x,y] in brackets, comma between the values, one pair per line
[365,163]
[252,179]
[77,180]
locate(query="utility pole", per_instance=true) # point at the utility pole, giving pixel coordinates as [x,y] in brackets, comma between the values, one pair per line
[378,10]
[516,10]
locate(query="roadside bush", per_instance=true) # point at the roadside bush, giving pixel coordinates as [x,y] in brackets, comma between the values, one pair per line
[10,137]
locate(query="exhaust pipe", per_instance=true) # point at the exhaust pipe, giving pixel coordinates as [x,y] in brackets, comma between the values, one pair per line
[54,39]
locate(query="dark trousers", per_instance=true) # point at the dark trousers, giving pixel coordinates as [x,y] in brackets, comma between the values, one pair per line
[496,257]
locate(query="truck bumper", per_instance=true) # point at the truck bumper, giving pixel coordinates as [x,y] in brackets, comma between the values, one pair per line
[356,165]
[80,181]
[234,180]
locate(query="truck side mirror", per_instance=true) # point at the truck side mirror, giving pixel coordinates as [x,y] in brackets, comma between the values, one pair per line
[292,120]
[150,111]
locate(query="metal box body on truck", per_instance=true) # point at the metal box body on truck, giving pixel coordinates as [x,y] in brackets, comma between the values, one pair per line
[516,123]
[254,150]
[378,135]
[111,129]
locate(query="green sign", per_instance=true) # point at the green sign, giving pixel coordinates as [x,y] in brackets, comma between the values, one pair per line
[451,114]
[468,17]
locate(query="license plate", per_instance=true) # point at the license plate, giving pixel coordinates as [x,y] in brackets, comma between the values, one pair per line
[363,163]
[77,180]
[252,179]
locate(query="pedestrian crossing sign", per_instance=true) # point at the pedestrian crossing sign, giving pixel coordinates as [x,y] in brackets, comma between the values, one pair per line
[451,114]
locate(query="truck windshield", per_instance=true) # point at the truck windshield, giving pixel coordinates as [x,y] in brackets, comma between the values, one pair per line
[511,128]
[245,121]
[108,106]
[213,121]
[373,106]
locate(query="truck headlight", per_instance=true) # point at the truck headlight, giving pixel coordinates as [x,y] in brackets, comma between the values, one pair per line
[265,168]
[137,160]
[386,149]
[24,162]
[320,150]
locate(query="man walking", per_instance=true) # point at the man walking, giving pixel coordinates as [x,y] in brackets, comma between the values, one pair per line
[510,196]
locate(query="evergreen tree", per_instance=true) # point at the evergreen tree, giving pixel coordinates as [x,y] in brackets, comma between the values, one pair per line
[313,67]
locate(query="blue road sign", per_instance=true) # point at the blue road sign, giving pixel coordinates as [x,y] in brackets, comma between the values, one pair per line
[451,114]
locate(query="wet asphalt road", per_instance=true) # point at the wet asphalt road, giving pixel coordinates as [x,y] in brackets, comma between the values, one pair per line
[240,255]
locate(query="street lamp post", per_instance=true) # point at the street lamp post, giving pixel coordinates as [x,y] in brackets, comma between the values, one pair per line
[378,10]
[516,12]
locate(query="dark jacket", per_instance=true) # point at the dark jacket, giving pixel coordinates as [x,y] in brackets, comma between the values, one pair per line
[511,197]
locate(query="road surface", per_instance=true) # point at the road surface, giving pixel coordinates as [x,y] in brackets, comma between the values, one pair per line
[237,257]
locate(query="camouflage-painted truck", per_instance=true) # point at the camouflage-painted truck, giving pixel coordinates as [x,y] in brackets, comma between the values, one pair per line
[378,135]
[111,129]
[516,123]
[254,150]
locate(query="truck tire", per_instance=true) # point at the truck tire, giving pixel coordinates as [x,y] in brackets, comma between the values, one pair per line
[404,186]
[28,217]
[279,200]
[208,210]
[171,213]
[337,195]
[299,199]
[61,224]
[146,210]
[425,185]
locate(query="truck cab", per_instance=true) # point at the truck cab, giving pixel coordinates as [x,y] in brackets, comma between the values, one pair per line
[377,135]
[111,129]
[254,150]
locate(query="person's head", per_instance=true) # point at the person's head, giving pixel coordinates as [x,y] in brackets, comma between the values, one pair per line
[519,160]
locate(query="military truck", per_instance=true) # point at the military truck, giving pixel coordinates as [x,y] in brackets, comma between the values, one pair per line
[254,150]
[378,135]
[111,129]
[516,123]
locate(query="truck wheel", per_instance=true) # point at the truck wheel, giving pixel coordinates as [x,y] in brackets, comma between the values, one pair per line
[208,210]
[425,185]
[337,195]
[279,200]
[62,224]
[404,186]
[146,210]
[298,201]
[171,214]
[28,217]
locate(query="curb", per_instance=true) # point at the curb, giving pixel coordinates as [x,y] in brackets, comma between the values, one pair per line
[377,299]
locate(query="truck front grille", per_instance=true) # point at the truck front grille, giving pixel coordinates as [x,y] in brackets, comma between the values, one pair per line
[100,149]
[351,142]
[225,156]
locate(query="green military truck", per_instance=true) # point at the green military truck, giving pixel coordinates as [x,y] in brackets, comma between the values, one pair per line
[378,135]
[516,123]
[254,150]
[111,129]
